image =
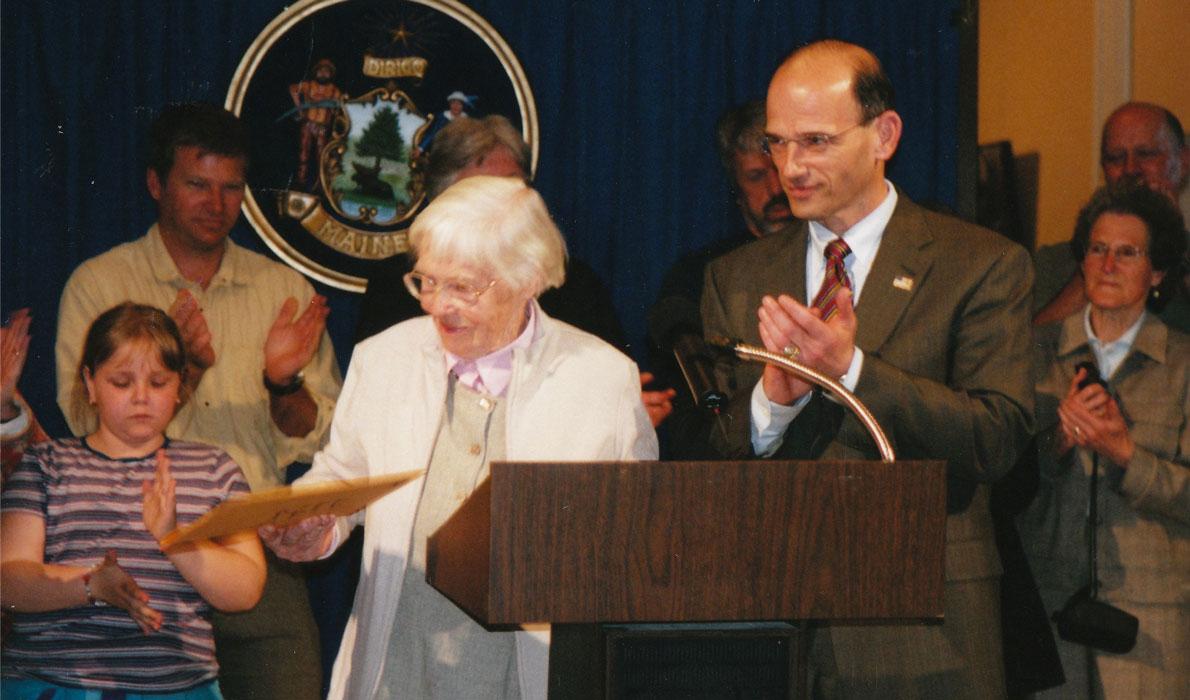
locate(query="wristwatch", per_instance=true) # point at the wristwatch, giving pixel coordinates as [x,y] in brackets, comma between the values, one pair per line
[285,389]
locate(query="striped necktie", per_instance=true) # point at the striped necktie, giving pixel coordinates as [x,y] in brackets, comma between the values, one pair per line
[834,279]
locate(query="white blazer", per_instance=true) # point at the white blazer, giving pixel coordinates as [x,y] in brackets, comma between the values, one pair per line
[572,397]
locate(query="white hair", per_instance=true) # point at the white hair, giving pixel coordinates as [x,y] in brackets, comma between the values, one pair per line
[494,223]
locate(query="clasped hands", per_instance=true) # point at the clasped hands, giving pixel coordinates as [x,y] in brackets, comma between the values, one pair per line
[827,346]
[289,346]
[1090,418]
[110,583]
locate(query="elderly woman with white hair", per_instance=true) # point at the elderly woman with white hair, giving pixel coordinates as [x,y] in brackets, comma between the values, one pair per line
[485,376]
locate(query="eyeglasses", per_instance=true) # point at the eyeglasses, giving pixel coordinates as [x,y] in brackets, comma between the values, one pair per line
[1123,254]
[1142,155]
[420,285]
[811,144]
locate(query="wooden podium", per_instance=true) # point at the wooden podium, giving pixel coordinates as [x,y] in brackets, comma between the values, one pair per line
[636,542]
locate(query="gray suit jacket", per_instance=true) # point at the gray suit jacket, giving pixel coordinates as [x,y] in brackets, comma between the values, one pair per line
[943,321]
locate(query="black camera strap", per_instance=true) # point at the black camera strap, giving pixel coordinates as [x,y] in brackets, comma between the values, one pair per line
[1093,528]
[1085,619]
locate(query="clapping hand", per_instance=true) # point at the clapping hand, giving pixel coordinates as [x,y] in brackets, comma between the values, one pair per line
[291,343]
[196,336]
[1090,418]
[658,403]
[14,348]
[796,330]
[159,509]
[111,584]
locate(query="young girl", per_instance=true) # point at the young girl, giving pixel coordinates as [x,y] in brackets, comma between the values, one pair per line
[99,605]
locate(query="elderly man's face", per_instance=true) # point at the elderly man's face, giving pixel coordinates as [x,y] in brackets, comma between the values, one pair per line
[761,199]
[841,182]
[472,326]
[1137,145]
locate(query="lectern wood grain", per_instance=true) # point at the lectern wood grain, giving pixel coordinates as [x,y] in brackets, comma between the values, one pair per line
[697,541]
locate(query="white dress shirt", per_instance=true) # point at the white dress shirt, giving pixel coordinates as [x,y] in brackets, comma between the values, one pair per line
[769,420]
[1108,356]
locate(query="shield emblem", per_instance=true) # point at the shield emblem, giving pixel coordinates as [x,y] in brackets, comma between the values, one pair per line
[342,99]
[370,171]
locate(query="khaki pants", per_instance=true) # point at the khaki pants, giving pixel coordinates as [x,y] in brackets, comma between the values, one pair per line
[271,651]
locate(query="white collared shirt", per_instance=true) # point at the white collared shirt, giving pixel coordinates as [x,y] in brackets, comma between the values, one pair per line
[1109,356]
[769,420]
[864,240]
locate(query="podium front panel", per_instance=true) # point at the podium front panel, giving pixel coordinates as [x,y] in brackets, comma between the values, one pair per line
[697,541]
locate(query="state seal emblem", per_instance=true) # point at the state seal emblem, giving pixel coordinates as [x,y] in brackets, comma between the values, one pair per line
[343,99]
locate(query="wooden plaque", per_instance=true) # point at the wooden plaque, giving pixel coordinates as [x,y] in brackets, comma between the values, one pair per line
[287,505]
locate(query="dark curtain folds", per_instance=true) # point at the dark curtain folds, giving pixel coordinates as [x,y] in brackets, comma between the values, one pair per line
[628,92]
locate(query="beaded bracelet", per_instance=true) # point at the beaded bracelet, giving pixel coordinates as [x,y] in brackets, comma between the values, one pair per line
[91,599]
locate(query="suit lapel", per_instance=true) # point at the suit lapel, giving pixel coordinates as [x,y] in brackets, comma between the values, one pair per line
[900,268]
[790,277]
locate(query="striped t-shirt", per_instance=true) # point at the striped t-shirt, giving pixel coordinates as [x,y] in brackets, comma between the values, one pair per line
[92,503]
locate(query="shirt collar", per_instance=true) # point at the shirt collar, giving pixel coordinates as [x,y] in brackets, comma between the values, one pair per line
[1108,356]
[231,268]
[492,373]
[863,238]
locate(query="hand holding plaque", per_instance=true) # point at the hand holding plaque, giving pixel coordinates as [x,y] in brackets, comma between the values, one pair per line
[288,505]
[305,540]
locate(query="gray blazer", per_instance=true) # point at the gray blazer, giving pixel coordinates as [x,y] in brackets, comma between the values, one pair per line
[1145,509]
[943,322]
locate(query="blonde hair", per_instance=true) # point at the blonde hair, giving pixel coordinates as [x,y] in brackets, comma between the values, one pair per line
[124,324]
[495,223]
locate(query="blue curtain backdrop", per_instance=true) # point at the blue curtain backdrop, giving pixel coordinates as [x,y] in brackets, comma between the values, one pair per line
[627,91]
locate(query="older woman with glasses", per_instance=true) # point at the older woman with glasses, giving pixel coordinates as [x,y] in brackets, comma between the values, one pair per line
[485,376]
[1133,429]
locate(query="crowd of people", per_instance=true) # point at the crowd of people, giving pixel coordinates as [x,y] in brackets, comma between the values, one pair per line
[190,370]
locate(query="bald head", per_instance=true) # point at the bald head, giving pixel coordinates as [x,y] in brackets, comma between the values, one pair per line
[870,87]
[1144,142]
[831,129]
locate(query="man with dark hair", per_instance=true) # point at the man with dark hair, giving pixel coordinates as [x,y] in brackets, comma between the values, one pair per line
[750,172]
[754,186]
[1141,142]
[925,318]
[197,124]
[764,209]
[263,376]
